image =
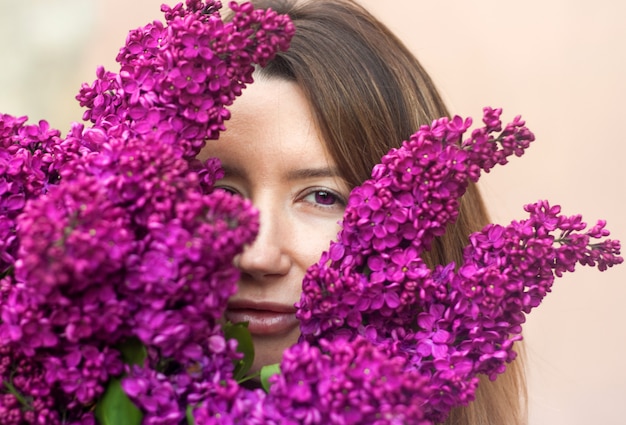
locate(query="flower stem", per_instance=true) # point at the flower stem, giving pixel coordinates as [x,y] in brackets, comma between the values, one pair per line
[9,386]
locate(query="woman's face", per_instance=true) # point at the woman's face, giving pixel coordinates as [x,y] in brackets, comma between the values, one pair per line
[272,154]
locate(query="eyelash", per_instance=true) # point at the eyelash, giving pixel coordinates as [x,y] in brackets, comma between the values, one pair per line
[228,189]
[338,200]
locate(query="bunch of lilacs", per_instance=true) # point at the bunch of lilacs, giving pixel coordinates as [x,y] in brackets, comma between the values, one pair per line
[388,339]
[115,253]
[116,257]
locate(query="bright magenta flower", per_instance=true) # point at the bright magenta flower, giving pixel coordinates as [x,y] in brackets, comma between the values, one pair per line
[116,255]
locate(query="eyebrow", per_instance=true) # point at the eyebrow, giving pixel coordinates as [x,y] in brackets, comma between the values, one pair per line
[297,174]
[310,173]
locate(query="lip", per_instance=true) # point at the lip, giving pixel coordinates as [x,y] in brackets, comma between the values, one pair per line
[264,318]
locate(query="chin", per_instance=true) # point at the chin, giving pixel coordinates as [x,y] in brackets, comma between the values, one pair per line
[269,349]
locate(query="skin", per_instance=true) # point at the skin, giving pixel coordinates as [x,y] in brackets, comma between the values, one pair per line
[272,154]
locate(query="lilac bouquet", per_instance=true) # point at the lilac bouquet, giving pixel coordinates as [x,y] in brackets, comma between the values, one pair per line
[116,257]
[115,253]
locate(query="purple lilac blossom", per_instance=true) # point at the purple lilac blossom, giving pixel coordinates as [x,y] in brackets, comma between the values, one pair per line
[26,171]
[176,79]
[348,382]
[114,233]
[449,323]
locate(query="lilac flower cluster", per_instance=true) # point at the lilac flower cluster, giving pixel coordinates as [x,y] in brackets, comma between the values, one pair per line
[116,255]
[26,170]
[389,340]
[175,79]
[355,382]
[343,382]
[449,323]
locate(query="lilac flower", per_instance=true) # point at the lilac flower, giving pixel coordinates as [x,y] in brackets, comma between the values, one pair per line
[114,234]
[228,403]
[348,382]
[116,254]
[433,339]
[26,171]
[189,71]
[154,394]
[83,371]
[449,325]
[27,397]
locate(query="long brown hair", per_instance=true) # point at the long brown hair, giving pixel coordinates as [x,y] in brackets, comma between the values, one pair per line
[369,93]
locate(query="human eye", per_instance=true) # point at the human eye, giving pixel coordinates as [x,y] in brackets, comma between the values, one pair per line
[324,198]
[228,189]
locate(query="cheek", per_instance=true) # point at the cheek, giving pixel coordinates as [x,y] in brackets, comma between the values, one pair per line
[315,241]
[310,237]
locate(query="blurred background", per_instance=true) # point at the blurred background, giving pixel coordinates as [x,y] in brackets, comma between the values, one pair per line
[559,63]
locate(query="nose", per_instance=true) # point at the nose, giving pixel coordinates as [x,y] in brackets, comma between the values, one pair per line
[268,255]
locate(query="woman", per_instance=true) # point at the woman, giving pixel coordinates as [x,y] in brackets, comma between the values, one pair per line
[320,116]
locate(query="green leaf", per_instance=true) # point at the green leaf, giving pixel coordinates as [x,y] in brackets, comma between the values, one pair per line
[189,413]
[133,352]
[266,373]
[240,332]
[7,272]
[115,408]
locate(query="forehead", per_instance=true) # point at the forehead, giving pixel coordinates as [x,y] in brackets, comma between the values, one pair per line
[271,122]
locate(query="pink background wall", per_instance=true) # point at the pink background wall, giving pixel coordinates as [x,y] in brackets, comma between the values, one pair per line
[560,63]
